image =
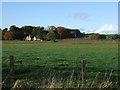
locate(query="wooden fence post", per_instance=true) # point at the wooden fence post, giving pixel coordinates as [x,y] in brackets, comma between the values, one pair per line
[11,69]
[83,73]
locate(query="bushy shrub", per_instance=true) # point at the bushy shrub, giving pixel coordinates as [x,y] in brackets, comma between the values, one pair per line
[96,36]
[9,35]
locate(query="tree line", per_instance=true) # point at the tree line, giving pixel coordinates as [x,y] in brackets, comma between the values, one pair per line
[50,33]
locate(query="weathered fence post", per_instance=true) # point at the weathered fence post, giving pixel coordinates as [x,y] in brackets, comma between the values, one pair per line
[83,73]
[11,69]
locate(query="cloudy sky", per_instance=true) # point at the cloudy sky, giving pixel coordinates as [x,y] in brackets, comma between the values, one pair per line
[89,17]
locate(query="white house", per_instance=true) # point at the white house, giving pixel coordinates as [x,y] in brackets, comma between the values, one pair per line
[35,38]
[28,38]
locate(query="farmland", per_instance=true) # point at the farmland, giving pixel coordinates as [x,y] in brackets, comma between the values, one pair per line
[43,60]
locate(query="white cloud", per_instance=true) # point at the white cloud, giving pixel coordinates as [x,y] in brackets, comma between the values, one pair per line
[81,15]
[108,29]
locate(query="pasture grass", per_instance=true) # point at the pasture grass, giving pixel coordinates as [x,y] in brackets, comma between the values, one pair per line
[43,60]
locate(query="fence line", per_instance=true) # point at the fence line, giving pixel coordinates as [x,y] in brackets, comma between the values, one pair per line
[12,69]
[83,73]
[83,69]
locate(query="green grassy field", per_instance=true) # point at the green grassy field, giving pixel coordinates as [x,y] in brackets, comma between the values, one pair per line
[42,60]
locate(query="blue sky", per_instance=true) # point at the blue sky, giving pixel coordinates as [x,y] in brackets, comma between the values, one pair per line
[99,17]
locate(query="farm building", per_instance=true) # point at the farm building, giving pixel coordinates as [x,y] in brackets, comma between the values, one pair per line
[29,38]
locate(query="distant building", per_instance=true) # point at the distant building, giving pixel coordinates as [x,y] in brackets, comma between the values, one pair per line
[28,38]
[35,38]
